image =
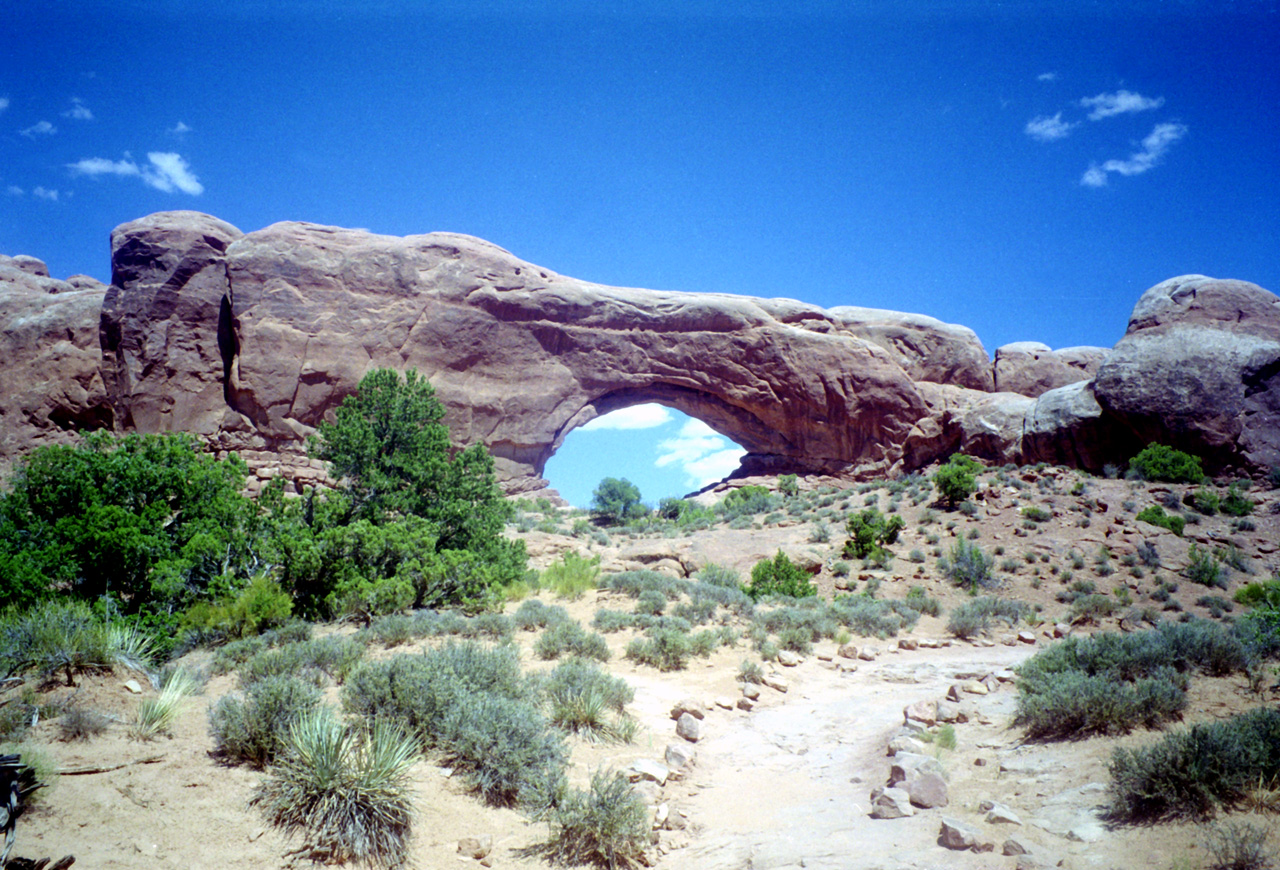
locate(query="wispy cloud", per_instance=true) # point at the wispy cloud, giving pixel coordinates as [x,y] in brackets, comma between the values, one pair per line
[13,190]
[78,111]
[165,171]
[178,129]
[1047,77]
[43,193]
[40,128]
[1047,128]
[1154,147]
[635,417]
[4,103]
[1119,103]
[702,454]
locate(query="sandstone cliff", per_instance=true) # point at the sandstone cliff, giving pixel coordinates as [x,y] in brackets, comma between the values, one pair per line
[248,340]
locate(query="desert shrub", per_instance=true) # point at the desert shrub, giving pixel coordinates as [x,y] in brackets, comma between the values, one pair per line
[494,626]
[750,672]
[585,700]
[1216,605]
[633,583]
[870,617]
[666,649]
[616,500]
[870,533]
[1265,594]
[331,656]
[1155,515]
[789,485]
[1204,569]
[610,621]
[731,597]
[572,575]
[779,577]
[975,616]
[252,729]
[607,825]
[969,567]
[1238,846]
[534,613]
[1159,462]
[747,501]
[1205,501]
[346,791]
[1235,503]
[1195,771]
[261,605]
[956,480]
[81,723]
[696,612]
[922,602]
[1094,607]
[572,639]
[1071,704]
[1036,514]
[651,602]
[65,638]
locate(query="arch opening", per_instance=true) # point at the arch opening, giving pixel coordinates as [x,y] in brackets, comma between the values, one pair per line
[664,451]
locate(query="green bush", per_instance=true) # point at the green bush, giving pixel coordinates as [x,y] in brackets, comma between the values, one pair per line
[1196,771]
[956,480]
[1071,704]
[870,533]
[572,639]
[1159,462]
[746,501]
[975,616]
[969,567]
[346,791]
[254,729]
[666,649]
[572,575]
[1155,515]
[779,577]
[331,656]
[920,600]
[789,485]
[534,614]
[607,825]
[1205,501]
[616,500]
[65,638]
[1235,503]
[1204,569]
[582,697]
[1037,514]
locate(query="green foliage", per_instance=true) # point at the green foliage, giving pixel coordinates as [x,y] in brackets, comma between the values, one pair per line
[331,656]
[1036,514]
[572,575]
[667,649]
[155,715]
[1193,772]
[975,616]
[253,728]
[789,485]
[616,500]
[1205,501]
[779,577]
[65,638]
[1155,515]
[1204,569]
[535,613]
[1235,503]
[145,519]
[870,533]
[1159,462]
[260,606]
[607,825]
[586,701]
[956,480]
[969,567]
[346,791]
[572,639]
[746,501]
[1265,594]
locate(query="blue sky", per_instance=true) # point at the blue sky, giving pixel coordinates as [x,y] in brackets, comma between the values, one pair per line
[1026,169]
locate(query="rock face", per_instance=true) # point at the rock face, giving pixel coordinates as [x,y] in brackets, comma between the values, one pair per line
[50,384]
[249,340]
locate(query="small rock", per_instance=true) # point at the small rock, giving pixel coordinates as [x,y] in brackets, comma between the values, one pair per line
[927,791]
[847,651]
[746,704]
[957,835]
[1027,636]
[975,687]
[907,766]
[908,643]
[132,687]
[475,847]
[678,756]
[687,705]
[789,659]
[689,727]
[891,803]
[867,654]
[925,712]
[1061,629]
[751,691]
[724,703]
[953,693]
[999,814]
[660,816]
[775,682]
[950,711]
[645,768]
[1015,846]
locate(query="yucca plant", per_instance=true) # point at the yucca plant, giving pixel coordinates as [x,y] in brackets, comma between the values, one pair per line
[155,715]
[346,791]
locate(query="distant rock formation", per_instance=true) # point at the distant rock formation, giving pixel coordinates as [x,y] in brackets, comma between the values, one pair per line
[249,340]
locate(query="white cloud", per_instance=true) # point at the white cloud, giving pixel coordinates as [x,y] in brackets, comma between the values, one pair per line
[1048,128]
[13,190]
[635,417]
[1047,77]
[168,171]
[178,129]
[1154,147]
[40,128]
[4,103]
[78,111]
[42,193]
[703,455]
[1119,103]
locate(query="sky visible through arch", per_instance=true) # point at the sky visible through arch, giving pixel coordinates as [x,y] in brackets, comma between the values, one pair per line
[1024,168]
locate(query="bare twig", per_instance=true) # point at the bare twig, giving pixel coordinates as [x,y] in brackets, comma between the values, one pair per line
[80,771]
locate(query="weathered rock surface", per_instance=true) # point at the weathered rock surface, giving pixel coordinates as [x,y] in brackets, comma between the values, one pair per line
[50,383]
[249,340]
[1030,368]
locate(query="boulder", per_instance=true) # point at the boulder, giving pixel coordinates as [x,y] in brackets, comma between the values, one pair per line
[959,836]
[927,791]
[689,728]
[891,803]
[1030,368]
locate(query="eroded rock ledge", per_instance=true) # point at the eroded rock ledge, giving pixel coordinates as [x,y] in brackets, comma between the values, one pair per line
[248,340]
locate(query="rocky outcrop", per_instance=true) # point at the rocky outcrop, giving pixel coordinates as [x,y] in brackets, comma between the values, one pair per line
[1199,368]
[50,384]
[1030,368]
[250,340]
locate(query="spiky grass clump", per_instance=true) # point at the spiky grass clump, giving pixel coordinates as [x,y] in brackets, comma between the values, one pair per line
[65,638]
[586,701]
[346,792]
[81,723]
[155,715]
[606,825]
